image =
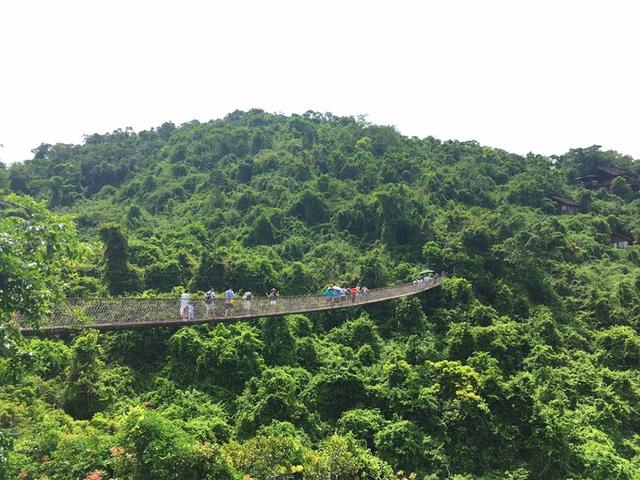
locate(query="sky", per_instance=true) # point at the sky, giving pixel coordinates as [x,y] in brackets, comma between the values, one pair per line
[526,76]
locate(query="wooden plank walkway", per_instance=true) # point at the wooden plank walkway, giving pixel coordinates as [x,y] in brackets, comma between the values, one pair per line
[136,313]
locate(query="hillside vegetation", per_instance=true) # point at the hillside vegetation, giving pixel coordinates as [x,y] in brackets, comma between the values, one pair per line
[525,365]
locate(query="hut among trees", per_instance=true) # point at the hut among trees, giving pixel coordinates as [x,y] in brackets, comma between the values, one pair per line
[565,206]
[603,177]
[618,240]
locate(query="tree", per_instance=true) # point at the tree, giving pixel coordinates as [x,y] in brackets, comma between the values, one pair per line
[262,232]
[37,252]
[210,272]
[619,347]
[278,340]
[164,276]
[161,449]
[404,446]
[274,396]
[226,358]
[118,274]
[81,395]
[298,279]
[621,188]
[6,442]
[357,333]
[373,271]
[362,423]
[335,390]
[409,315]
[310,208]
[4,179]
[400,215]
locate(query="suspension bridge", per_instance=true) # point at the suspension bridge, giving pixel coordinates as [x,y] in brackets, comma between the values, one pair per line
[136,313]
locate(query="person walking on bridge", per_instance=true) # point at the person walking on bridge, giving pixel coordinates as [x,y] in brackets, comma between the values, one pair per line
[273,299]
[246,304]
[353,291]
[330,295]
[210,302]
[228,301]
[185,298]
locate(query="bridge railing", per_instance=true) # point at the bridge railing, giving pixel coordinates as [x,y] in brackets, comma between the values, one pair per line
[125,312]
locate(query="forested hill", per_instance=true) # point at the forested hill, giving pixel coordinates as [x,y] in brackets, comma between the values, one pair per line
[255,193]
[524,366]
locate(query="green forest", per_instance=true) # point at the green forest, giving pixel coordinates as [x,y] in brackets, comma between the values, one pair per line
[523,365]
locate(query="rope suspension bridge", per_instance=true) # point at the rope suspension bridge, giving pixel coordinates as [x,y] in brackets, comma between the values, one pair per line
[136,313]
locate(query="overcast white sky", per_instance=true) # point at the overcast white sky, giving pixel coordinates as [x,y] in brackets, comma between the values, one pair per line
[541,76]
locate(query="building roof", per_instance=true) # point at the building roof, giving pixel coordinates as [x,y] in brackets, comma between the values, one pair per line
[619,236]
[615,171]
[565,201]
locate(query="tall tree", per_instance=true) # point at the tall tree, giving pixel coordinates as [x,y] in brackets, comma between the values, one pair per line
[36,252]
[118,274]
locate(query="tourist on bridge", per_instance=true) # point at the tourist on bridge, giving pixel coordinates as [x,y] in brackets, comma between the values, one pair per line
[210,302]
[191,312]
[246,304]
[343,294]
[228,301]
[353,291]
[273,299]
[330,294]
[364,291]
[185,298]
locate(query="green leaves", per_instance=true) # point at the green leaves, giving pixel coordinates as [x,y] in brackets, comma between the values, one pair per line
[37,253]
[226,357]
[119,276]
[276,395]
[162,450]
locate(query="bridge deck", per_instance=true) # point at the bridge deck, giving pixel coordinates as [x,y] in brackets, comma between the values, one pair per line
[134,313]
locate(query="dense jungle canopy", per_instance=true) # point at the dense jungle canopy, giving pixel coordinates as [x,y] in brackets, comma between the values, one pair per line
[525,365]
